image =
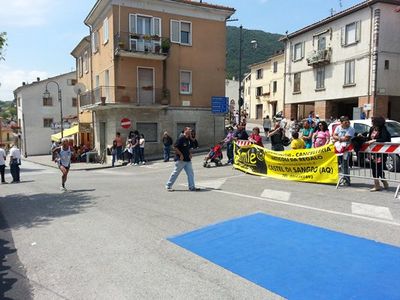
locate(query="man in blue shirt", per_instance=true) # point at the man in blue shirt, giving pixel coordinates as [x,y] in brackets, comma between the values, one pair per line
[183,160]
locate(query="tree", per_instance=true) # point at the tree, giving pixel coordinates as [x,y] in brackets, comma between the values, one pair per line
[3,44]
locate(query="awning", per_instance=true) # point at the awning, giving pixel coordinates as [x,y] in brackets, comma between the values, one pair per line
[67,132]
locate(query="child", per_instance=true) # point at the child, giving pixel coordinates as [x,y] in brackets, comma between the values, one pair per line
[296,142]
[142,141]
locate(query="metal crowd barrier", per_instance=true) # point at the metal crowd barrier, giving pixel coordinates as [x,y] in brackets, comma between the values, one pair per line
[371,161]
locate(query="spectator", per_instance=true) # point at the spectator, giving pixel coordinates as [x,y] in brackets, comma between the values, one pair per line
[2,164]
[195,143]
[378,133]
[142,142]
[306,134]
[15,162]
[321,135]
[240,133]
[229,144]
[267,126]
[118,139]
[167,142]
[276,136]
[255,137]
[296,142]
[114,152]
[136,147]
[342,137]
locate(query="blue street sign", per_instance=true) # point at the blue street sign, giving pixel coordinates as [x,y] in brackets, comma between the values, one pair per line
[219,105]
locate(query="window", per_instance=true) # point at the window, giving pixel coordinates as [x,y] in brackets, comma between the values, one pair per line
[149,130]
[80,69]
[86,62]
[320,78]
[321,43]
[386,64]
[95,41]
[48,101]
[105,31]
[18,101]
[181,32]
[47,122]
[259,74]
[349,71]
[259,91]
[298,50]
[185,82]
[274,86]
[351,33]
[296,82]
[74,102]
[248,91]
[275,66]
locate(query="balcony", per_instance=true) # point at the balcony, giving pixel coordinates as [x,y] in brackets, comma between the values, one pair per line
[319,57]
[141,46]
[143,96]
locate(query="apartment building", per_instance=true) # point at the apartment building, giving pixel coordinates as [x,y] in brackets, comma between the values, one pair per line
[39,117]
[154,64]
[264,86]
[346,64]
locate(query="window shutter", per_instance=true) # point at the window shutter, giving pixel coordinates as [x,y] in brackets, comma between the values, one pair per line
[292,52]
[303,47]
[132,23]
[358,31]
[343,36]
[175,31]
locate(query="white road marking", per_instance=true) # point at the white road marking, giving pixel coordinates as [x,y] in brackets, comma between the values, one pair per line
[211,184]
[371,210]
[277,195]
[241,196]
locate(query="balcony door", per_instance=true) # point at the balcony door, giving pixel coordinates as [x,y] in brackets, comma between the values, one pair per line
[145,86]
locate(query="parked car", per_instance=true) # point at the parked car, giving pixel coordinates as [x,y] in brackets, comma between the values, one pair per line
[363,127]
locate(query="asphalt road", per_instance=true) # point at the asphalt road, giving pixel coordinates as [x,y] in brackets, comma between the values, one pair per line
[106,237]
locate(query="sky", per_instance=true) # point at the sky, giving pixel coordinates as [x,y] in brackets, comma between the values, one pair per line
[42,33]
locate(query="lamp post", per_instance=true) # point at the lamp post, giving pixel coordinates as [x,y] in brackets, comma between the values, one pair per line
[46,94]
[240,101]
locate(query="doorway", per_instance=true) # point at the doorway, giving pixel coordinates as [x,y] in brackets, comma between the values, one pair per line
[259,111]
[145,86]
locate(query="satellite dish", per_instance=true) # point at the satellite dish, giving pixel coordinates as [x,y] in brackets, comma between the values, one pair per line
[79,88]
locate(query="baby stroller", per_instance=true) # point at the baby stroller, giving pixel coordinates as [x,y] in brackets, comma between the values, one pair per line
[214,156]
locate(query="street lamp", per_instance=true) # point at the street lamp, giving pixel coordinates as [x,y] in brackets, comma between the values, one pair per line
[46,95]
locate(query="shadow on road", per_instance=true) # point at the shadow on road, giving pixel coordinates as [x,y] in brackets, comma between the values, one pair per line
[39,209]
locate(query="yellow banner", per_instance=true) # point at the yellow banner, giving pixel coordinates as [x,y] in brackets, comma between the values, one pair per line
[318,165]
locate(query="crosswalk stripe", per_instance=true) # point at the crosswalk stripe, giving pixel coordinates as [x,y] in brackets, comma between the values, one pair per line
[277,195]
[371,210]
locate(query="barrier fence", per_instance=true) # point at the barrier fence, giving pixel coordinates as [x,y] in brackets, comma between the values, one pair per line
[377,161]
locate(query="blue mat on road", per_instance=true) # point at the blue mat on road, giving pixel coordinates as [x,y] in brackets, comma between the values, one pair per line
[299,261]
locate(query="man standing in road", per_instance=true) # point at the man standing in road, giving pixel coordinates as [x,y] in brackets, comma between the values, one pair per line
[183,157]
[64,161]
[167,142]
[2,163]
[15,161]
[118,139]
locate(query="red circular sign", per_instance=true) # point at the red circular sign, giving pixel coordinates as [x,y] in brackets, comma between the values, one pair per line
[125,123]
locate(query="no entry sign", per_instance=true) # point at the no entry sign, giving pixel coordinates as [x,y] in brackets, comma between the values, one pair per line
[125,123]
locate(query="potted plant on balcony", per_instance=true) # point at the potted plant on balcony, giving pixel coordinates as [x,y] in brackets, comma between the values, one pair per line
[155,37]
[165,45]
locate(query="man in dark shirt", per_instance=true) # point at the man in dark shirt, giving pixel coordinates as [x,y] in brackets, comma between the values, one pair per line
[240,133]
[183,160]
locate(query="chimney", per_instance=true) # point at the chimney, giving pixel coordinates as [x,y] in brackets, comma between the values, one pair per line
[38,78]
[23,83]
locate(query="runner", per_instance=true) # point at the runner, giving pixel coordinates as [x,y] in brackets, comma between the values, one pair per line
[64,161]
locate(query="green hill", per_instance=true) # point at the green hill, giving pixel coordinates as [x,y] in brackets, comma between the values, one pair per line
[267,44]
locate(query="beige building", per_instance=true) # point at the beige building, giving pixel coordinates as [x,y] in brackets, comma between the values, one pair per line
[264,86]
[156,63]
[346,63]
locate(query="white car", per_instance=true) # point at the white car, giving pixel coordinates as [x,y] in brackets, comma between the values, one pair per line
[363,127]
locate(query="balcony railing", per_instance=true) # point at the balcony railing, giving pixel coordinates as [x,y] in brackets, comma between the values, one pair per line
[319,57]
[140,45]
[144,96]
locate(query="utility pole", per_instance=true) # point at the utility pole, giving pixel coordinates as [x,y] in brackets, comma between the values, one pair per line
[240,71]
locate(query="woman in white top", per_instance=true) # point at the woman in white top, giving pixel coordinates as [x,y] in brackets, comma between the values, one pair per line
[64,161]
[142,141]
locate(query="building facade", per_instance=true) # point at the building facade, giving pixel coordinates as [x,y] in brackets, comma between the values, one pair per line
[264,86]
[39,117]
[156,64]
[346,64]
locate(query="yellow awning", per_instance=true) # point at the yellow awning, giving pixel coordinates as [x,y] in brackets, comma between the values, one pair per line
[67,132]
